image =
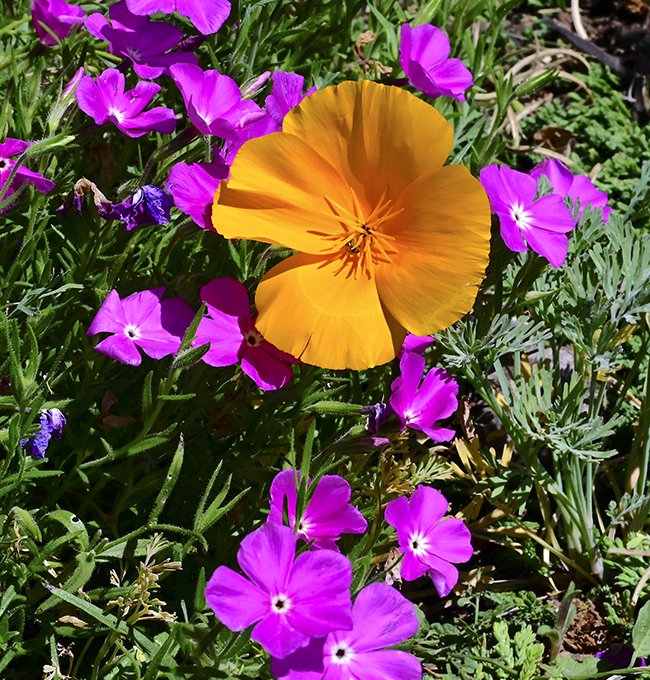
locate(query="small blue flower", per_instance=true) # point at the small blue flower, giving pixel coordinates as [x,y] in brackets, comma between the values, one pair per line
[148,205]
[52,423]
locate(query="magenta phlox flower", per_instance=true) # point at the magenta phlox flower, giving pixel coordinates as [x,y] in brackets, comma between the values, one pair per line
[141,320]
[541,223]
[420,406]
[233,338]
[59,16]
[381,617]
[106,100]
[579,188]
[429,542]
[51,424]
[148,205]
[290,599]
[146,43]
[327,515]
[424,55]
[208,16]
[416,343]
[193,185]
[286,92]
[214,102]
[9,149]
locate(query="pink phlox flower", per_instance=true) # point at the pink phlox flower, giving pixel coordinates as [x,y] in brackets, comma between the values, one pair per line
[214,102]
[146,43]
[193,185]
[416,343]
[327,515]
[579,188]
[418,403]
[9,149]
[233,338]
[59,16]
[424,55]
[286,92]
[207,16]
[141,320]
[429,542]
[290,599]
[541,223]
[381,617]
[106,100]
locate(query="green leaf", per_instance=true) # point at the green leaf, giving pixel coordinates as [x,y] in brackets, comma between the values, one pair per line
[641,632]
[170,481]
[568,668]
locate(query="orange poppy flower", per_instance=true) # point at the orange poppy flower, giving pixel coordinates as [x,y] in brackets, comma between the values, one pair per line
[388,239]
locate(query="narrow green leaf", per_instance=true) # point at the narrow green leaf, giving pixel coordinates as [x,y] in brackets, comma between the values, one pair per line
[170,481]
[641,632]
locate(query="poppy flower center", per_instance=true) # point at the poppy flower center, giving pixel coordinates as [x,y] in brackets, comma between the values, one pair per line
[342,654]
[363,244]
[280,604]
[253,338]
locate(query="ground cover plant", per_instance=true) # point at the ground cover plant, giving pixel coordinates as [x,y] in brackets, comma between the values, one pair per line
[324,340]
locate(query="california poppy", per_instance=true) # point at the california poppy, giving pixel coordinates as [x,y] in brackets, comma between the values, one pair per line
[388,239]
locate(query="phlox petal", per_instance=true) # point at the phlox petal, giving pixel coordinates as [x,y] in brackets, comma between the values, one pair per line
[386,664]
[207,15]
[403,392]
[412,567]
[110,316]
[235,600]
[437,397]
[320,590]
[266,556]
[450,540]
[278,636]
[443,574]
[284,486]
[511,233]
[398,515]
[552,246]
[89,99]
[121,348]
[329,509]
[382,617]
[193,185]
[551,214]
[224,336]
[264,369]
[427,507]
[142,7]
[227,297]
[305,663]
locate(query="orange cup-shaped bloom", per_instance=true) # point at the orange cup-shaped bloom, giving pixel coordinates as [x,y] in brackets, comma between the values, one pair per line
[388,239]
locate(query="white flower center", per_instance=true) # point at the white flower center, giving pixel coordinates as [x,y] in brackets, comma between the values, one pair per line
[520,216]
[4,163]
[280,604]
[304,526]
[133,53]
[341,654]
[132,332]
[418,544]
[116,113]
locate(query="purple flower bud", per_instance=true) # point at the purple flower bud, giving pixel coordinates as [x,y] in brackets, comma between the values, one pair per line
[52,422]
[148,205]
